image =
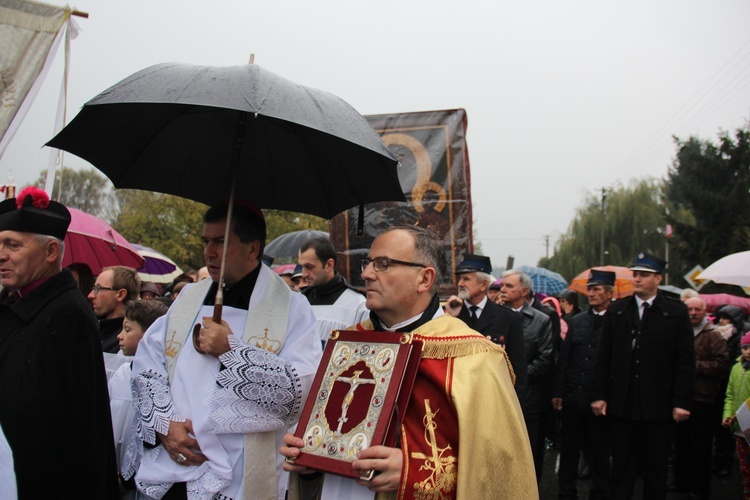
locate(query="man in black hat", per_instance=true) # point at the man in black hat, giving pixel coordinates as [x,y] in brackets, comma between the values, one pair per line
[54,405]
[497,323]
[581,430]
[643,379]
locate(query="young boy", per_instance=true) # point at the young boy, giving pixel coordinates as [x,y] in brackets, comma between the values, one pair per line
[139,315]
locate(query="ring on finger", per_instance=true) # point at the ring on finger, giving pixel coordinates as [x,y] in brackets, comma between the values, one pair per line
[181,458]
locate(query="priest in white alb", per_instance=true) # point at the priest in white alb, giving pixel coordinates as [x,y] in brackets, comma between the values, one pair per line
[212,402]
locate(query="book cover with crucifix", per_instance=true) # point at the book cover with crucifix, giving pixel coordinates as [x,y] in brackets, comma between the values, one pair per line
[358,398]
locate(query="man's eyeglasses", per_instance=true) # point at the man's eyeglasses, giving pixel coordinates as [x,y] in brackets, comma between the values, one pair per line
[382,263]
[98,289]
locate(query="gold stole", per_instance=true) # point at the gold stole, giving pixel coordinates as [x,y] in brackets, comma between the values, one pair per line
[430,431]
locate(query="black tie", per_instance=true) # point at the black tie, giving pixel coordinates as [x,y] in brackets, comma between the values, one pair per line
[473,314]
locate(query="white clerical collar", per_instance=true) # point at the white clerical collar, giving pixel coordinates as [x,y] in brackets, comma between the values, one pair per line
[600,313]
[395,327]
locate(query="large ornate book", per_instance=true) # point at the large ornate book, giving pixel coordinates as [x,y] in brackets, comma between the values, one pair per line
[358,398]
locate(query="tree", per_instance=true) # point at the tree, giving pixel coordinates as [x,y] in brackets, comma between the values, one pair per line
[280,222]
[708,189]
[168,224]
[172,225]
[633,222]
[86,190]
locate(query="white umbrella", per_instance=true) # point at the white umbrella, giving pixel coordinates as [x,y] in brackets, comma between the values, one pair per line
[733,269]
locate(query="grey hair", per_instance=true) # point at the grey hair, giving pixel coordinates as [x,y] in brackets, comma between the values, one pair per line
[688,293]
[484,278]
[700,301]
[523,278]
[428,248]
[43,239]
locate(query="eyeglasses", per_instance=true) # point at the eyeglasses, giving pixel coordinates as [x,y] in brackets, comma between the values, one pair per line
[382,263]
[98,289]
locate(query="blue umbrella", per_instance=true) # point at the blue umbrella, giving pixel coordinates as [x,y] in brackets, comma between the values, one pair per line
[544,280]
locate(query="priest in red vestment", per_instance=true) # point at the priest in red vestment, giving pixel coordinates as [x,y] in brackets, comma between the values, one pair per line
[463,435]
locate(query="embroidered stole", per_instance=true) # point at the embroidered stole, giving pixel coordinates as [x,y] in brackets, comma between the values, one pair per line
[265,328]
[430,434]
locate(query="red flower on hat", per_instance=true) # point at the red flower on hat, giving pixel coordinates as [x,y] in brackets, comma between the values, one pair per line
[38,198]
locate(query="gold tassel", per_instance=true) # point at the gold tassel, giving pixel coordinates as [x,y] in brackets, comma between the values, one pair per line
[455,348]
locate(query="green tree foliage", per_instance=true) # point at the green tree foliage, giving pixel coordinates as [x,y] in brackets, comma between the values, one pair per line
[173,225]
[633,221]
[86,190]
[708,190]
[168,224]
[280,222]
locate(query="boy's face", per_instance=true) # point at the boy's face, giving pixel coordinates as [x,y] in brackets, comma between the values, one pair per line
[746,353]
[129,337]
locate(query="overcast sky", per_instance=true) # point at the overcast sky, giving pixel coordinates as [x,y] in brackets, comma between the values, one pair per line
[563,97]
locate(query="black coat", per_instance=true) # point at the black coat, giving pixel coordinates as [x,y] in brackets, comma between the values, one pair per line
[554,320]
[54,404]
[575,364]
[503,326]
[646,368]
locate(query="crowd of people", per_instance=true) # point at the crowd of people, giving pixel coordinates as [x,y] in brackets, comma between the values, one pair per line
[190,402]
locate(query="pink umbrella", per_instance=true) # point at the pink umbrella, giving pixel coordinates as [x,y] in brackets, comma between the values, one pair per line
[93,242]
[715,300]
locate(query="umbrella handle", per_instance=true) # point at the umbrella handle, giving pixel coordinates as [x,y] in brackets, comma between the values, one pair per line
[197,328]
[196,338]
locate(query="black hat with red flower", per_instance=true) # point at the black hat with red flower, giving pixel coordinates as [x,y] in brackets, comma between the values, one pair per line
[33,212]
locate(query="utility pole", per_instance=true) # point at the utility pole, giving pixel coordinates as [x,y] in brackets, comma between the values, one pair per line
[601,229]
[546,244]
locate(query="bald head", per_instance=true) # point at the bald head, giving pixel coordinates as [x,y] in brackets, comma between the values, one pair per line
[697,310]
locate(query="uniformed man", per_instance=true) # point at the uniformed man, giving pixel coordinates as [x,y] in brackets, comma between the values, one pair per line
[643,379]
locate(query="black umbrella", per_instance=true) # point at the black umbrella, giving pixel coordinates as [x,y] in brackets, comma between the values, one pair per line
[173,128]
[287,245]
[203,132]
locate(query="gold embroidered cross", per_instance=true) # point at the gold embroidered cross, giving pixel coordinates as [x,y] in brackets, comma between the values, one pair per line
[442,472]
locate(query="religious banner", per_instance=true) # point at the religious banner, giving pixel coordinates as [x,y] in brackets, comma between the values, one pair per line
[434,175]
[29,35]
[358,398]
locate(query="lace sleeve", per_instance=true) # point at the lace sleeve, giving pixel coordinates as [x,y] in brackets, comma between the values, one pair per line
[152,402]
[258,391]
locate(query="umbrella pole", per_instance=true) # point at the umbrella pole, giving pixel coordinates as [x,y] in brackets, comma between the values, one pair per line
[235,162]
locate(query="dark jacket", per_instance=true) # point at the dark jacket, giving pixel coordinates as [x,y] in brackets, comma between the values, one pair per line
[54,404]
[645,369]
[540,360]
[712,364]
[575,365]
[503,326]
[554,320]
[109,329]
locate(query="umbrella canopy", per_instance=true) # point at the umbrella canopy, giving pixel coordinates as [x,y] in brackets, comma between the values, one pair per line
[544,281]
[287,245]
[93,242]
[157,267]
[623,280]
[734,269]
[284,269]
[716,300]
[194,131]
